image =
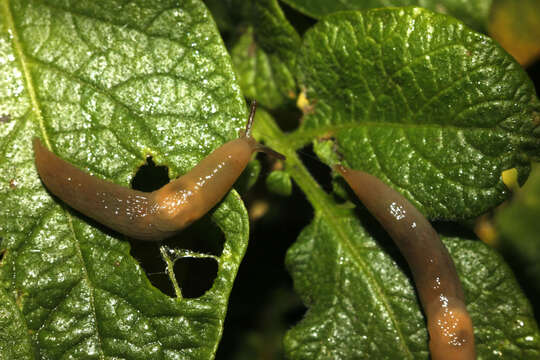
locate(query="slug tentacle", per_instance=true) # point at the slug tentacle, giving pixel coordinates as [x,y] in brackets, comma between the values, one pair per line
[449,324]
[159,214]
[251,118]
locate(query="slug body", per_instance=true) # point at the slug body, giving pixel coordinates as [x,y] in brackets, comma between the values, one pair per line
[158,214]
[449,324]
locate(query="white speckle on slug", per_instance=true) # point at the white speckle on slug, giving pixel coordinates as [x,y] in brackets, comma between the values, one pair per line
[397,210]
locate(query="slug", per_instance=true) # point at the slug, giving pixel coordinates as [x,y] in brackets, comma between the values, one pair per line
[449,324]
[156,215]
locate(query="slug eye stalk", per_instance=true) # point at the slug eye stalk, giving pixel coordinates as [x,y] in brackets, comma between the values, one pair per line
[159,214]
[435,276]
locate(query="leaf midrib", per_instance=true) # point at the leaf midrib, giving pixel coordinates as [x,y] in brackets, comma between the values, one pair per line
[325,208]
[26,72]
[303,137]
[36,109]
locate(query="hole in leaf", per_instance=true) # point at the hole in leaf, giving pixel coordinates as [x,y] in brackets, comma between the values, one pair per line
[149,258]
[195,276]
[150,177]
[203,236]
[319,170]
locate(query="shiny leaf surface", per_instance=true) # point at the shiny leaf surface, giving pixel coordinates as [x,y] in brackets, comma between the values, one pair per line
[105,85]
[434,109]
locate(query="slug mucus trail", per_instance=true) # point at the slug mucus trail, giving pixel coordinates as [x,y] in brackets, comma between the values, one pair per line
[440,291]
[153,215]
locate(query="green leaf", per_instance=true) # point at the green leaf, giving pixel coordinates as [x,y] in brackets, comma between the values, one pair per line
[361,302]
[265,56]
[360,297]
[473,13]
[104,85]
[249,177]
[15,341]
[274,33]
[361,307]
[256,72]
[279,182]
[434,109]
[518,227]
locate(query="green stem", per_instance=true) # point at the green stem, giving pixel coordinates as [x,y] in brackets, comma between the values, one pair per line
[324,207]
[267,129]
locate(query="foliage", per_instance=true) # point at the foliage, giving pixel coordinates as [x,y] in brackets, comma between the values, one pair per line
[415,97]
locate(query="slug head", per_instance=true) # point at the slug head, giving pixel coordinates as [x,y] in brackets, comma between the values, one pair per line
[246,136]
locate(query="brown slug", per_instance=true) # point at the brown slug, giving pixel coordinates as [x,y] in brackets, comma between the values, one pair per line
[449,324]
[153,215]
